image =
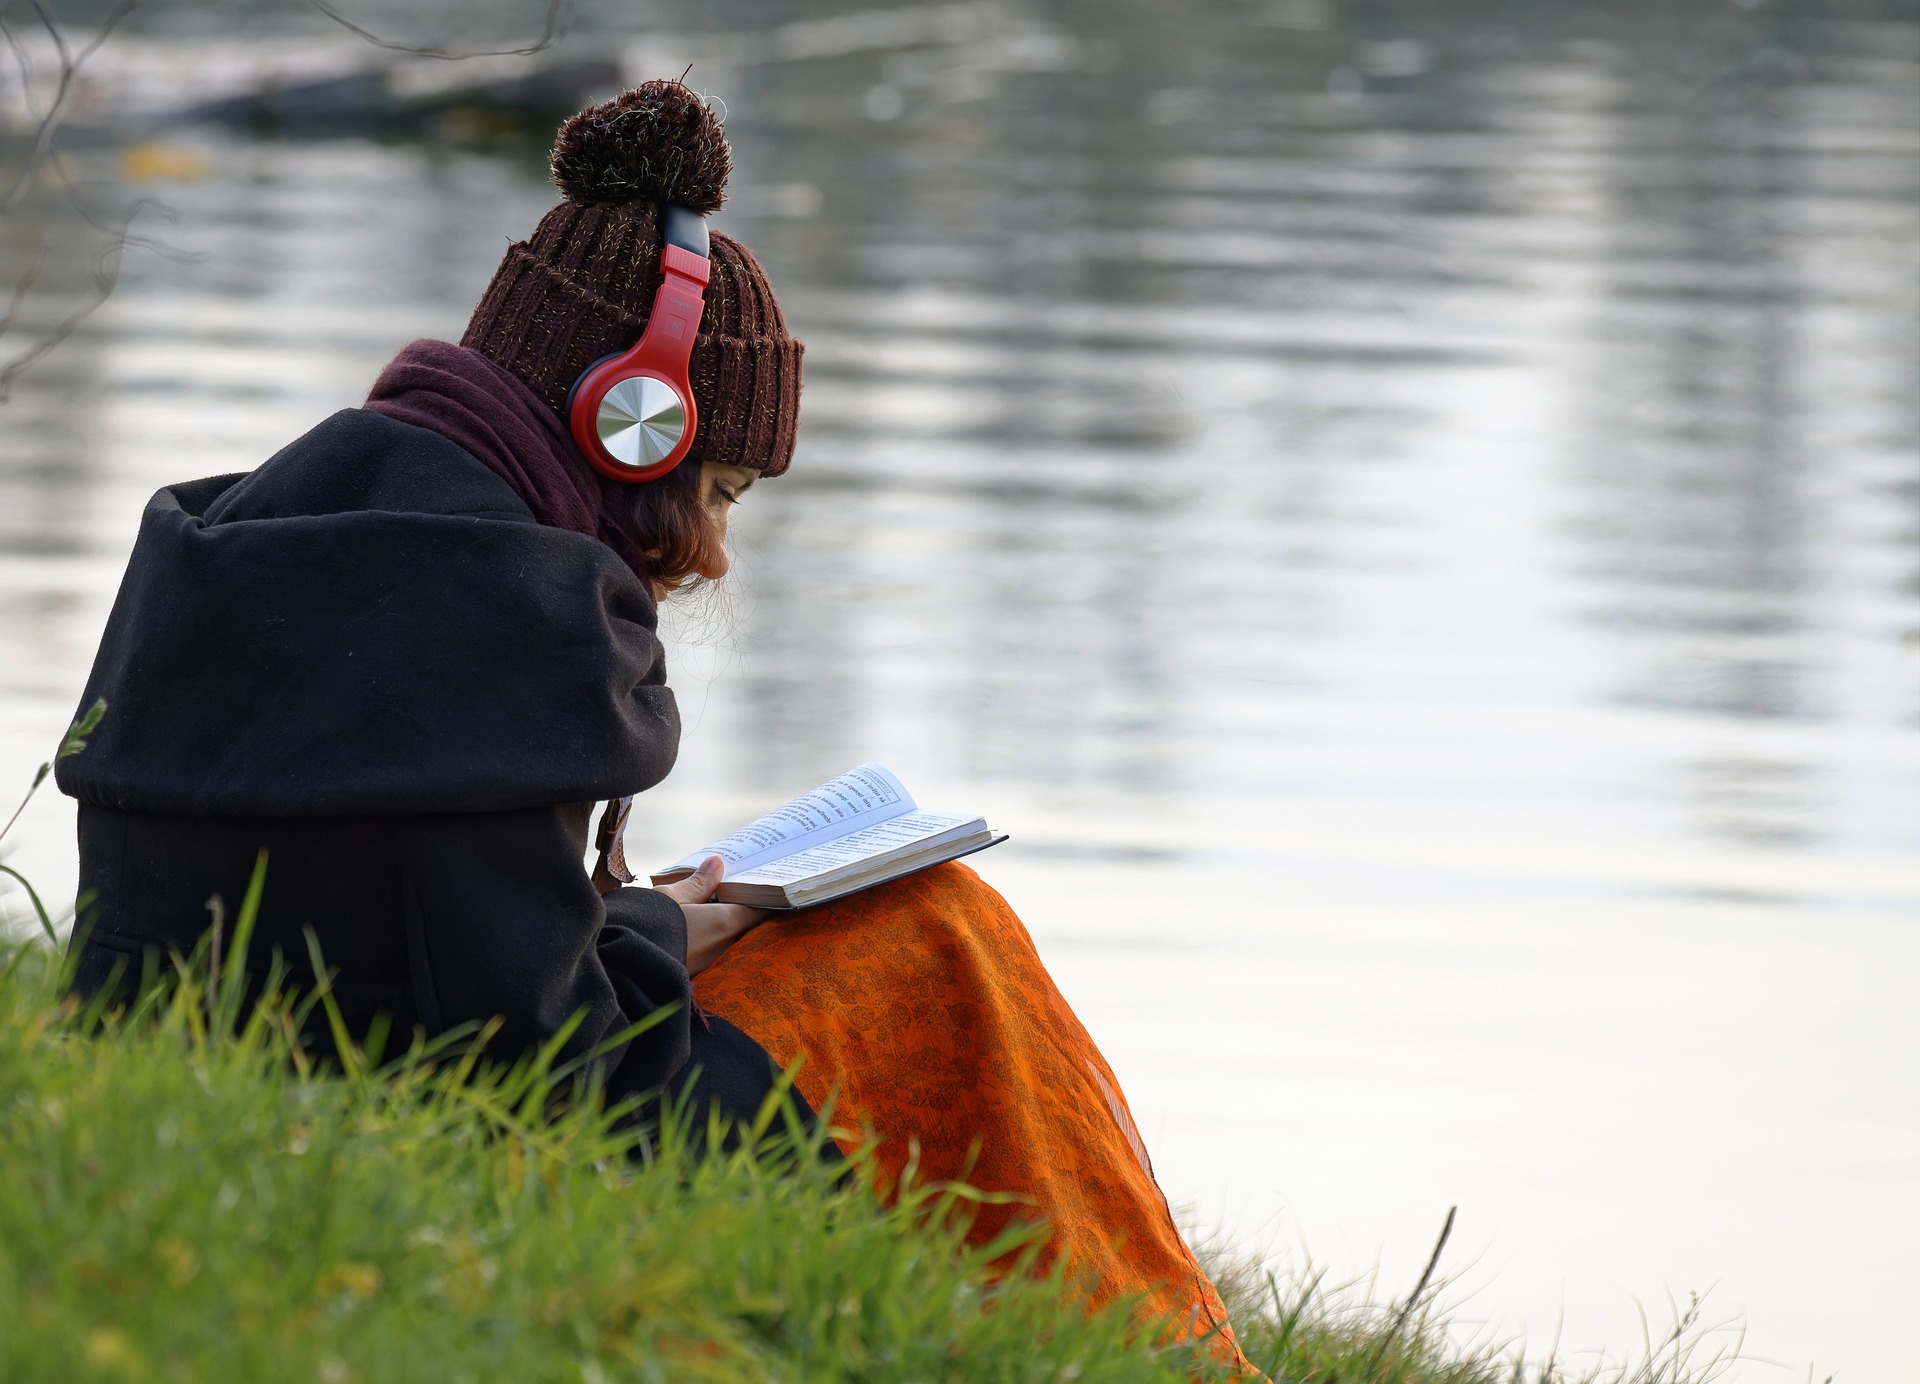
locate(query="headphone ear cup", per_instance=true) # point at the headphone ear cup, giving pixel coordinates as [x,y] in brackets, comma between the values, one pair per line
[583,424]
[632,413]
[573,393]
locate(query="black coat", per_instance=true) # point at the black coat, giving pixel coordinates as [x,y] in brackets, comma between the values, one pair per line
[368,658]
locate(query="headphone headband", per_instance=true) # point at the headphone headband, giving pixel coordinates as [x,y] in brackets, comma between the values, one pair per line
[687,229]
[632,413]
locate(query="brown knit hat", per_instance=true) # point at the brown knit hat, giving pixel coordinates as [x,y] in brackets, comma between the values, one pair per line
[583,285]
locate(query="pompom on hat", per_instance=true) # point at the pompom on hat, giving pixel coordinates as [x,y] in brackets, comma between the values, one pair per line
[582,285]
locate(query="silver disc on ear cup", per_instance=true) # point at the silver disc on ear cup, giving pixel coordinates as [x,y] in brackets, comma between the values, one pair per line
[640,420]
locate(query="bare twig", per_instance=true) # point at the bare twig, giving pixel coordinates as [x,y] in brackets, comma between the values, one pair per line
[24,181]
[28,278]
[106,275]
[28,177]
[70,65]
[117,228]
[559,15]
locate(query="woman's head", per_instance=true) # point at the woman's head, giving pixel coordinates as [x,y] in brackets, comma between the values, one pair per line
[682,521]
[582,287]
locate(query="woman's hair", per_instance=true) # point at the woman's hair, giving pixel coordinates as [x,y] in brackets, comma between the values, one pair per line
[676,532]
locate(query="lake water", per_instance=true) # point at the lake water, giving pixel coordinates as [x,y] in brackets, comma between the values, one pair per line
[1410,518]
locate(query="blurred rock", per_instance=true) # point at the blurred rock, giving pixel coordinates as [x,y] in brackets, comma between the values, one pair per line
[407,98]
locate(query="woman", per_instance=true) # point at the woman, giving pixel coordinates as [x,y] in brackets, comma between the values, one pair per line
[410,652]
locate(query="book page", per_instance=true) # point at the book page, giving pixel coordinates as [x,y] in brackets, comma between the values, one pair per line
[855,800]
[869,841]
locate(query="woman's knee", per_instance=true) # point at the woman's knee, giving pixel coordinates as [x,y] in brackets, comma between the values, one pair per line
[949,895]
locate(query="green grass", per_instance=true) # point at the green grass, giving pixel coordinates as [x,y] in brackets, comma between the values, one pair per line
[182,1205]
[1304,1331]
[186,1197]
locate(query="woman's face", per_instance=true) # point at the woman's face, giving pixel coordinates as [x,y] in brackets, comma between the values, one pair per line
[721,487]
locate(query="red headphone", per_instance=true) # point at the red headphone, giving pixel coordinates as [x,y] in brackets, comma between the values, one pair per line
[632,412]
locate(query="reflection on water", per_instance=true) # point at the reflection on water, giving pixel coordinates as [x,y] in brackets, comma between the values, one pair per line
[1407,515]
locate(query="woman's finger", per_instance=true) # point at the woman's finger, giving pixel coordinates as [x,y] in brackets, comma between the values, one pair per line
[697,887]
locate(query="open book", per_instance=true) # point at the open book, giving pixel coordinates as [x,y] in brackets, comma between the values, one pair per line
[852,832]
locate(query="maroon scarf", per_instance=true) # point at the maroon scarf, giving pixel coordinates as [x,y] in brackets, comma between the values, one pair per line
[489,411]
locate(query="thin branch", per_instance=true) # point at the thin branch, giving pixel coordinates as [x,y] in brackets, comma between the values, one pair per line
[21,57]
[28,177]
[101,222]
[28,278]
[559,15]
[70,64]
[106,276]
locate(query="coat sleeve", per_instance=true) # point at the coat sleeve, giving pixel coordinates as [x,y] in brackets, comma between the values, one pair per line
[503,921]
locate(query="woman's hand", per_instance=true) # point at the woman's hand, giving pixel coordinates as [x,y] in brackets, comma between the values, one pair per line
[711,927]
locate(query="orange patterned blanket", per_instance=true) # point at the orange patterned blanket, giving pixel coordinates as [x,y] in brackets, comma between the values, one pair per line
[921,1008]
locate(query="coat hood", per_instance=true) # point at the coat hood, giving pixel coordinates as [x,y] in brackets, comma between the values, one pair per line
[371,622]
